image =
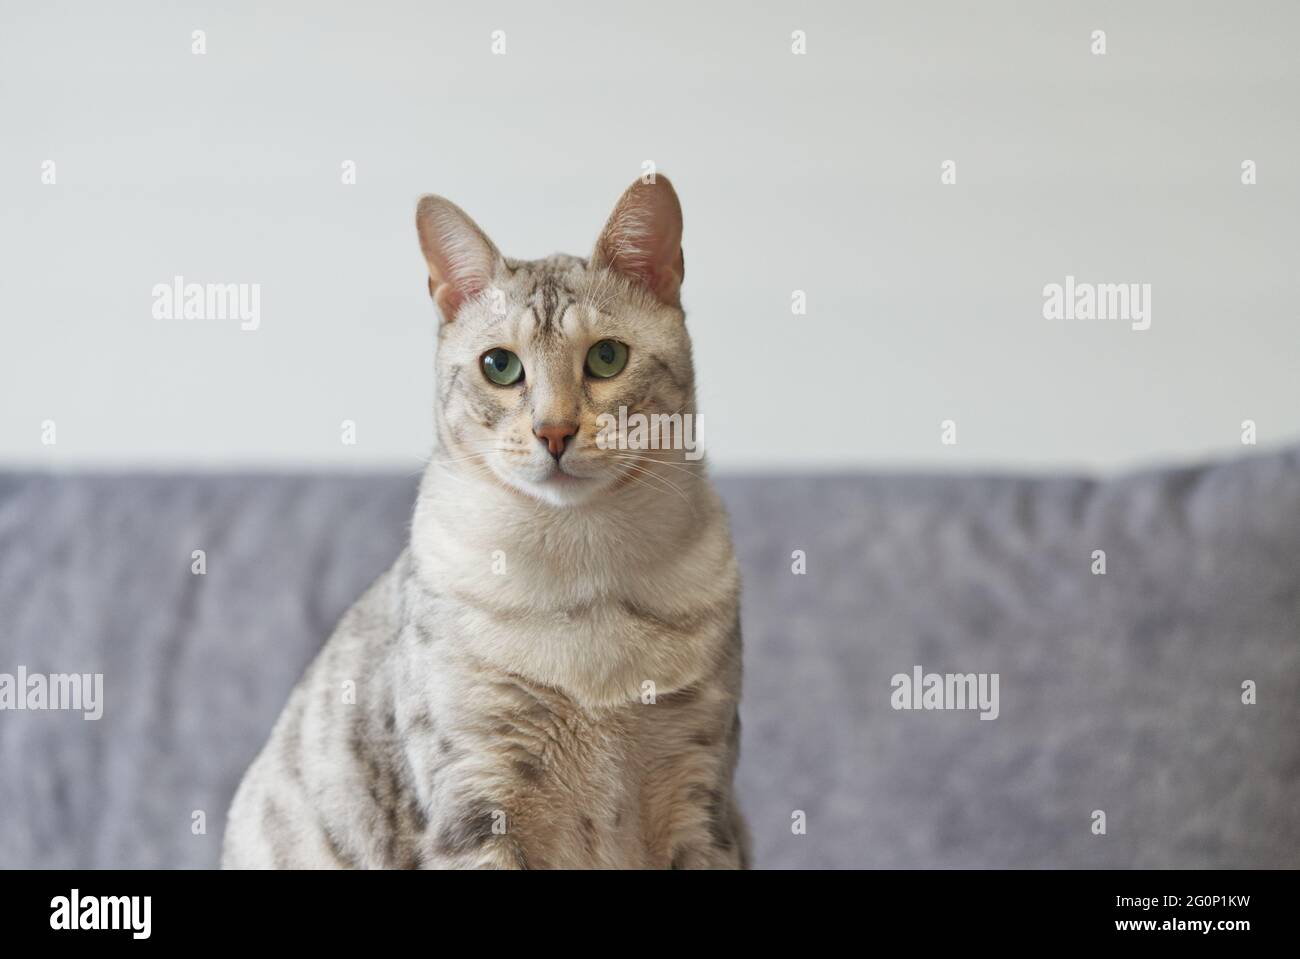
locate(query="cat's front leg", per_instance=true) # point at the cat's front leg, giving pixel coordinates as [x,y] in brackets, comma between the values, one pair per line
[714,835]
[489,802]
[476,836]
[469,806]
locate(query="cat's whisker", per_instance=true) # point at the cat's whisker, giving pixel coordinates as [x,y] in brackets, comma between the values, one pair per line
[647,474]
[473,455]
[637,481]
[684,467]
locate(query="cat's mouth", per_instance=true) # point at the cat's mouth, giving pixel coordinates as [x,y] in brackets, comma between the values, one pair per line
[559,476]
[558,485]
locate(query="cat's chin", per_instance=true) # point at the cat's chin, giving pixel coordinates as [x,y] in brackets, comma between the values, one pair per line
[559,489]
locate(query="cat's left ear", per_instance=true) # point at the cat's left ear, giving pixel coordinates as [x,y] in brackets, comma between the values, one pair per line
[643,239]
[461,258]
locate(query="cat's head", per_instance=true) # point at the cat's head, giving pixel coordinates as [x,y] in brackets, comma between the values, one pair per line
[535,358]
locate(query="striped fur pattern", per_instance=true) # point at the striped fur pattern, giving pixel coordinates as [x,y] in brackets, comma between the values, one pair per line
[548,676]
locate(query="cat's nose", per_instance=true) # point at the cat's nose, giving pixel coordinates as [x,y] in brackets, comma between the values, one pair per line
[555,435]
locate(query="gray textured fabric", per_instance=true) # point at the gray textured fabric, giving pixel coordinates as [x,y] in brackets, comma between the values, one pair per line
[1119,692]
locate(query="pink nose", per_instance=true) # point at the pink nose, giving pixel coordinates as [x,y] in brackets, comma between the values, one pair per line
[555,435]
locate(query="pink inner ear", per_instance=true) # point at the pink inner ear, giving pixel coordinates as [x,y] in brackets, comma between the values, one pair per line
[643,238]
[461,258]
[448,300]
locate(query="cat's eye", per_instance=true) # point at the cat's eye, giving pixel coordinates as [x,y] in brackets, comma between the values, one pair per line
[607,358]
[502,367]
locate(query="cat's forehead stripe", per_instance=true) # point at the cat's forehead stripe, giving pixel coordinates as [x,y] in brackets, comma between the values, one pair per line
[551,296]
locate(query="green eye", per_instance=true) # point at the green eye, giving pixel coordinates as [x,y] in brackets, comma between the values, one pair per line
[502,367]
[607,358]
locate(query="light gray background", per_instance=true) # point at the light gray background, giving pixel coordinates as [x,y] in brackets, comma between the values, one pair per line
[816,172]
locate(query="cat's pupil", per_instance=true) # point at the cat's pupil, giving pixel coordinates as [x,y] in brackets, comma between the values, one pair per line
[498,360]
[606,351]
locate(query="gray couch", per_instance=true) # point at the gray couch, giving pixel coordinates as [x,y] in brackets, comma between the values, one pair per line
[1119,692]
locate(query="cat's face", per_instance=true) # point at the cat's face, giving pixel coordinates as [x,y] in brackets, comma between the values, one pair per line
[531,354]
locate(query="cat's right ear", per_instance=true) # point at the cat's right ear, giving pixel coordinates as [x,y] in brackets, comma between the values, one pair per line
[461,258]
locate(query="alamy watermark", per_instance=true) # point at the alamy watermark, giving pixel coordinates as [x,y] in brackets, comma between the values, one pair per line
[923,690]
[127,913]
[62,691]
[654,431]
[179,300]
[1072,300]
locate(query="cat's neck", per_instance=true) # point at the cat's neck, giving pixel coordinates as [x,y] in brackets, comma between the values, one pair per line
[640,583]
[473,532]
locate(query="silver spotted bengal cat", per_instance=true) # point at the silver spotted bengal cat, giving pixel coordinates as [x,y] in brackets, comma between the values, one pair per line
[548,675]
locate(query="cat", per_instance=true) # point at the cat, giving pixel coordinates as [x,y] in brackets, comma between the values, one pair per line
[549,674]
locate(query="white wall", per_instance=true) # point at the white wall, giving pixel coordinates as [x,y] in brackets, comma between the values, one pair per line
[818,172]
